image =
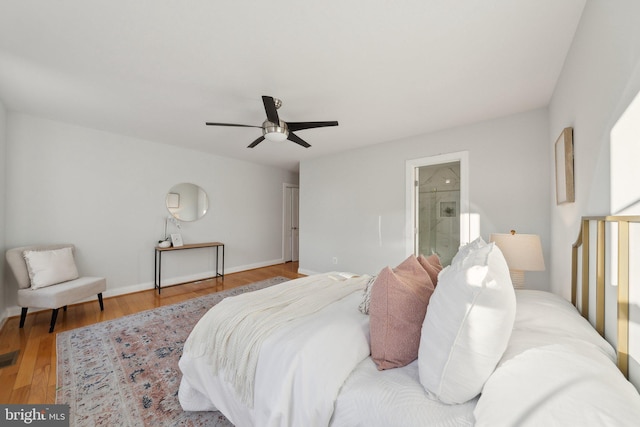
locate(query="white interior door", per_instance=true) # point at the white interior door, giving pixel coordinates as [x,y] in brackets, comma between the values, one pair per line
[290,223]
[295,236]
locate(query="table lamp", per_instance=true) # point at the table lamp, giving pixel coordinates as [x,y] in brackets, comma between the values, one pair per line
[523,252]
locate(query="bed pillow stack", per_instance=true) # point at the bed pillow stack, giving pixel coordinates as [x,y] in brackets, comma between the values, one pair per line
[399,299]
[468,324]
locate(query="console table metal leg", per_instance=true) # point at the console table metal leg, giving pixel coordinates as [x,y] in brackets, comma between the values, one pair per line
[218,273]
[157,271]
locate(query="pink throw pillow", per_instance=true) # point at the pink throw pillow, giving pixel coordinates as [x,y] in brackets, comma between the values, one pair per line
[432,266]
[399,300]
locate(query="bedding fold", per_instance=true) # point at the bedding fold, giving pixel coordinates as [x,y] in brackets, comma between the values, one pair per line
[265,328]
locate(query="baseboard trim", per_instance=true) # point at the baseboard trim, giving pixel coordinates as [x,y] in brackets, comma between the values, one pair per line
[172,281]
[307,272]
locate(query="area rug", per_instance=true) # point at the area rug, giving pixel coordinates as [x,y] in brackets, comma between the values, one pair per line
[124,372]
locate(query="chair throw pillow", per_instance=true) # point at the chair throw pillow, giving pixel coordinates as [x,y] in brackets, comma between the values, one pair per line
[48,268]
[399,300]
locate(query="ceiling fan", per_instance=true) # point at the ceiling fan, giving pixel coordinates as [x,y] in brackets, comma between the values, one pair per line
[275,129]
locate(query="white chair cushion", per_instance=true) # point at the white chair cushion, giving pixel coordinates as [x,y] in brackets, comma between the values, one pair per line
[62,294]
[48,268]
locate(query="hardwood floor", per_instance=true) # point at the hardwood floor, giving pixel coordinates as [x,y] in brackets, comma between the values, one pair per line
[32,379]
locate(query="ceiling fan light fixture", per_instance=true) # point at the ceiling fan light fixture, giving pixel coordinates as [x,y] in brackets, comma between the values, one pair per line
[274,129]
[273,132]
[275,136]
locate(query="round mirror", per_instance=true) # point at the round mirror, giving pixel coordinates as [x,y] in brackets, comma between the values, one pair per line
[187,202]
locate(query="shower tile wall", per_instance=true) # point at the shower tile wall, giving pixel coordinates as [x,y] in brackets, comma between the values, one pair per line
[439,210]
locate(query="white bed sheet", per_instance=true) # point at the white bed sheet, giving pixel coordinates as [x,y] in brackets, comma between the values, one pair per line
[394,397]
[543,318]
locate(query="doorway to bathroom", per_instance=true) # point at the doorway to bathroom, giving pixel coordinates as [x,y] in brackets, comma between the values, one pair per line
[439,205]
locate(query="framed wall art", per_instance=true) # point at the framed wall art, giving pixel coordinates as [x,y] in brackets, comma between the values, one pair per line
[448,209]
[173,200]
[565,191]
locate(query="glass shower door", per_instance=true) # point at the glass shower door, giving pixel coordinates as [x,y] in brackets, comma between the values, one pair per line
[438,210]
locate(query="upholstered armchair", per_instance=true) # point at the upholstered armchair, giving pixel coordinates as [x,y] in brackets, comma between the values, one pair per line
[48,278]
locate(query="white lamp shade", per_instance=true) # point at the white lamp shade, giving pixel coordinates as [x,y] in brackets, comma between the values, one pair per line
[521,251]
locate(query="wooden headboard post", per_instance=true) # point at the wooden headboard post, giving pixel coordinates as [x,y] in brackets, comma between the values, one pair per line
[583,241]
[600,251]
[574,267]
[586,242]
[623,297]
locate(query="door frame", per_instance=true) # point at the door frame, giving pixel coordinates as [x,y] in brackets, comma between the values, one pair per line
[411,190]
[286,227]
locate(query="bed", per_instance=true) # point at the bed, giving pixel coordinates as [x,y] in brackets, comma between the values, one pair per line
[358,350]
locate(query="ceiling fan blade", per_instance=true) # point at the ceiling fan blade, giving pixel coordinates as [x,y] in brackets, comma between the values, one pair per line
[295,138]
[232,124]
[271,110]
[256,142]
[294,126]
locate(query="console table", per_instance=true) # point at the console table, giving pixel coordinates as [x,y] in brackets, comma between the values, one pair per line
[158,260]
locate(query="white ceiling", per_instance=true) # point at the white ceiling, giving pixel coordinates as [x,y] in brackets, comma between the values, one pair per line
[159,69]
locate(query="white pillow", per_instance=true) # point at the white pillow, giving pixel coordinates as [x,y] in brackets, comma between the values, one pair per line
[569,384]
[467,325]
[48,268]
[465,250]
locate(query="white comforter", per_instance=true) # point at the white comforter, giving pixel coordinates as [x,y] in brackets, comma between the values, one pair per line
[298,374]
[556,371]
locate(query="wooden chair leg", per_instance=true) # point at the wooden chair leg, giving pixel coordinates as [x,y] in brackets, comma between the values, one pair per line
[100,301]
[54,316]
[23,316]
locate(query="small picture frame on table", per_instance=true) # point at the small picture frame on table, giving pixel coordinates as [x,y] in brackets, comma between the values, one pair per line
[176,240]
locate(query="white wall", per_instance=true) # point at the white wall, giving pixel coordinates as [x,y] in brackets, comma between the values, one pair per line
[344,197]
[601,76]
[106,193]
[3,165]
[600,80]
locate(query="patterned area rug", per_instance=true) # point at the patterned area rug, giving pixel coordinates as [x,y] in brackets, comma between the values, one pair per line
[125,371]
